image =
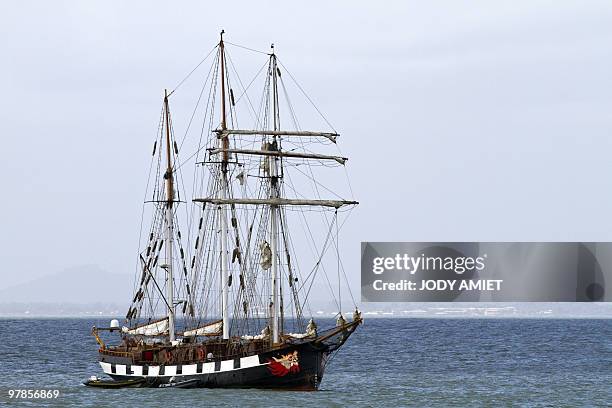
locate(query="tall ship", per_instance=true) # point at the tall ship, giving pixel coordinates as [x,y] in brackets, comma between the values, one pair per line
[220,296]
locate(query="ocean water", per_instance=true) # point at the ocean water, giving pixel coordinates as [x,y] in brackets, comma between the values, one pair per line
[387,362]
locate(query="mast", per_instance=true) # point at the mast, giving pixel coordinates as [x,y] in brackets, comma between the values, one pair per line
[169,224]
[222,208]
[276,311]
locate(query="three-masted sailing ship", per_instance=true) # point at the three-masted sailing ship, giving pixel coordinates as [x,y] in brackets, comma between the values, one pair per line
[228,310]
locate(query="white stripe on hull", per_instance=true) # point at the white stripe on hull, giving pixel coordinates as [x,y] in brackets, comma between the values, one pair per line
[208,368]
[251,361]
[106,367]
[120,369]
[187,369]
[190,369]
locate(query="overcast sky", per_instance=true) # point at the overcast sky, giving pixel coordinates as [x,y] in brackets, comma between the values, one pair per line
[463,121]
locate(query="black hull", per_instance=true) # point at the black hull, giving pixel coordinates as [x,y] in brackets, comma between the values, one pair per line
[305,375]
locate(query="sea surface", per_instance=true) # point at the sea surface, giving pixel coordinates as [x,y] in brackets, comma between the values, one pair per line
[387,362]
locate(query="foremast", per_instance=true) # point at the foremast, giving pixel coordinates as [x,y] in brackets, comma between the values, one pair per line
[169,231]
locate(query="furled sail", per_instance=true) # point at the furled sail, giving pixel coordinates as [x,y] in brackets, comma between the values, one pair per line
[311,331]
[274,201]
[150,329]
[329,135]
[278,153]
[265,334]
[210,329]
[266,255]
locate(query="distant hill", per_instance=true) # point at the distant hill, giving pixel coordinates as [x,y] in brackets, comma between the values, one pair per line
[86,284]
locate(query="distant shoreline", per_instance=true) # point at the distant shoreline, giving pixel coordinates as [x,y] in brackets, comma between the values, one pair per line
[432,310]
[422,317]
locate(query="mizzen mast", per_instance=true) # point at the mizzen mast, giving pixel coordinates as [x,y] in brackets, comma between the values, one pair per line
[169,223]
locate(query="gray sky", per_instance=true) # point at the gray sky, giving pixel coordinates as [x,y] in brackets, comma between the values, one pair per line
[463,120]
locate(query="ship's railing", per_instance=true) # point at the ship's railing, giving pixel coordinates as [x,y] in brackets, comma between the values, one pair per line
[116,353]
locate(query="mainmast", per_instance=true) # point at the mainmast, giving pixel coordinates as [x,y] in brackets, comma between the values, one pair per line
[169,223]
[276,302]
[222,208]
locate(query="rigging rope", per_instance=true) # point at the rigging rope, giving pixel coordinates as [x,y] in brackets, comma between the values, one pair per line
[192,71]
